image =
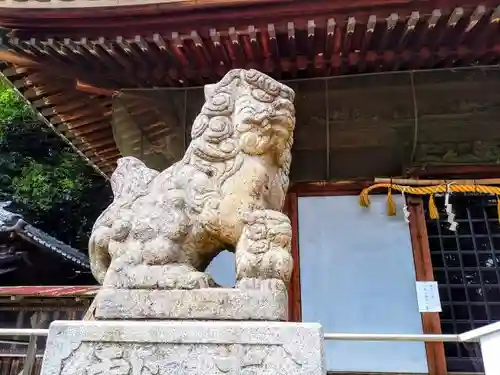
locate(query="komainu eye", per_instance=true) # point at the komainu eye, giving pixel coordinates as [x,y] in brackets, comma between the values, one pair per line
[261,95]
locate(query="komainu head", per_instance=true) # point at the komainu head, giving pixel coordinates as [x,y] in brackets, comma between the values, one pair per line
[246,113]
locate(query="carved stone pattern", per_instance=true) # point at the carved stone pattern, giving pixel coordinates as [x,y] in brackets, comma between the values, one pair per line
[202,359]
[226,192]
[184,347]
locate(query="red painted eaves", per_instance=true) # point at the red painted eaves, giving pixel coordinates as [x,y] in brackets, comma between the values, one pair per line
[49,291]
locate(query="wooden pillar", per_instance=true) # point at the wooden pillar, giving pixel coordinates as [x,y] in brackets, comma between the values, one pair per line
[431,322]
[294,303]
[37,320]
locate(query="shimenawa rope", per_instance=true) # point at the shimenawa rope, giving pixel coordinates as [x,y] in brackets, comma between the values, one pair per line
[364,199]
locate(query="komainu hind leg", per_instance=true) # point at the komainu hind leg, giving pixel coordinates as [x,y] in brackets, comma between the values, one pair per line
[155,265]
[263,252]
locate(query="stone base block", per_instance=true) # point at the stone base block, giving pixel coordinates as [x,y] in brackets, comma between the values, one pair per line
[183,348]
[197,304]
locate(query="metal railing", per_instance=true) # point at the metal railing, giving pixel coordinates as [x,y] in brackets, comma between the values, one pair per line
[396,337]
[23,332]
[327,336]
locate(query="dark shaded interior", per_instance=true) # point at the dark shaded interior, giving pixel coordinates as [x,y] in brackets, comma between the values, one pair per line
[347,127]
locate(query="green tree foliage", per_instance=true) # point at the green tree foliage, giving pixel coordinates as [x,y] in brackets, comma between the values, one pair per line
[54,188]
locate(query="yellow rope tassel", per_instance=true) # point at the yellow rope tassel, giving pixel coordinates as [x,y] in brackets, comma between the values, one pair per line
[391,205]
[433,211]
[364,200]
[498,208]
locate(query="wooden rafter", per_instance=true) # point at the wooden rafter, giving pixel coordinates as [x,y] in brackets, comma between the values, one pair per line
[87,68]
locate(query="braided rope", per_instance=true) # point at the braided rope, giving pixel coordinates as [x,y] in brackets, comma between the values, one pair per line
[364,199]
[428,190]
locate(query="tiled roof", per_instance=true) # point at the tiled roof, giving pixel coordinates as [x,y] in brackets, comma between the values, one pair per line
[14,223]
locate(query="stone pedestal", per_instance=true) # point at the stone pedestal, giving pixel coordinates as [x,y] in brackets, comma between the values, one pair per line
[183,348]
[197,304]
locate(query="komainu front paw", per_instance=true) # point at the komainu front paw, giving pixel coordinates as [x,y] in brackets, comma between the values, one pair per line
[183,276]
[263,251]
[194,280]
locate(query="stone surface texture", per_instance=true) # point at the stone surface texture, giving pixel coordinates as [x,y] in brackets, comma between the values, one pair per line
[183,348]
[202,304]
[163,228]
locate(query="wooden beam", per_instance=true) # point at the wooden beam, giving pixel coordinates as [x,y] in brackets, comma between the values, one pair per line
[85,20]
[328,188]
[428,182]
[12,58]
[74,7]
[89,89]
[451,171]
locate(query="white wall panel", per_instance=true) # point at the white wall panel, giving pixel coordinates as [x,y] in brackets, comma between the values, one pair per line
[357,276]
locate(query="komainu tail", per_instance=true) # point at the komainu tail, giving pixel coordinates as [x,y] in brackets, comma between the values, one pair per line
[129,181]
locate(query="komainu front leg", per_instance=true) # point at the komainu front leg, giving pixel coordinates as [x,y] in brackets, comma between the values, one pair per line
[263,252]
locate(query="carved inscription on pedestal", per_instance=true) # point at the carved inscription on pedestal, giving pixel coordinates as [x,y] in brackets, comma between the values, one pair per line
[183,348]
[139,359]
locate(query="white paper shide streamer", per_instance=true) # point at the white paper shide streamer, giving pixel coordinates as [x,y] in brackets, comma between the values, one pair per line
[449,210]
[406,212]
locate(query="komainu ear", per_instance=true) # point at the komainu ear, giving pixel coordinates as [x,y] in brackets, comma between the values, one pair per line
[209,91]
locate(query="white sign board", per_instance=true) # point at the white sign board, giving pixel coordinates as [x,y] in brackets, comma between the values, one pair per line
[428,296]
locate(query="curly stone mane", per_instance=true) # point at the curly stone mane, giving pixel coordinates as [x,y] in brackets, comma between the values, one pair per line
[215,137]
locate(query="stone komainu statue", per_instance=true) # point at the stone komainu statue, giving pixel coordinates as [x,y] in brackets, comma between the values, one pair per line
[163,229]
